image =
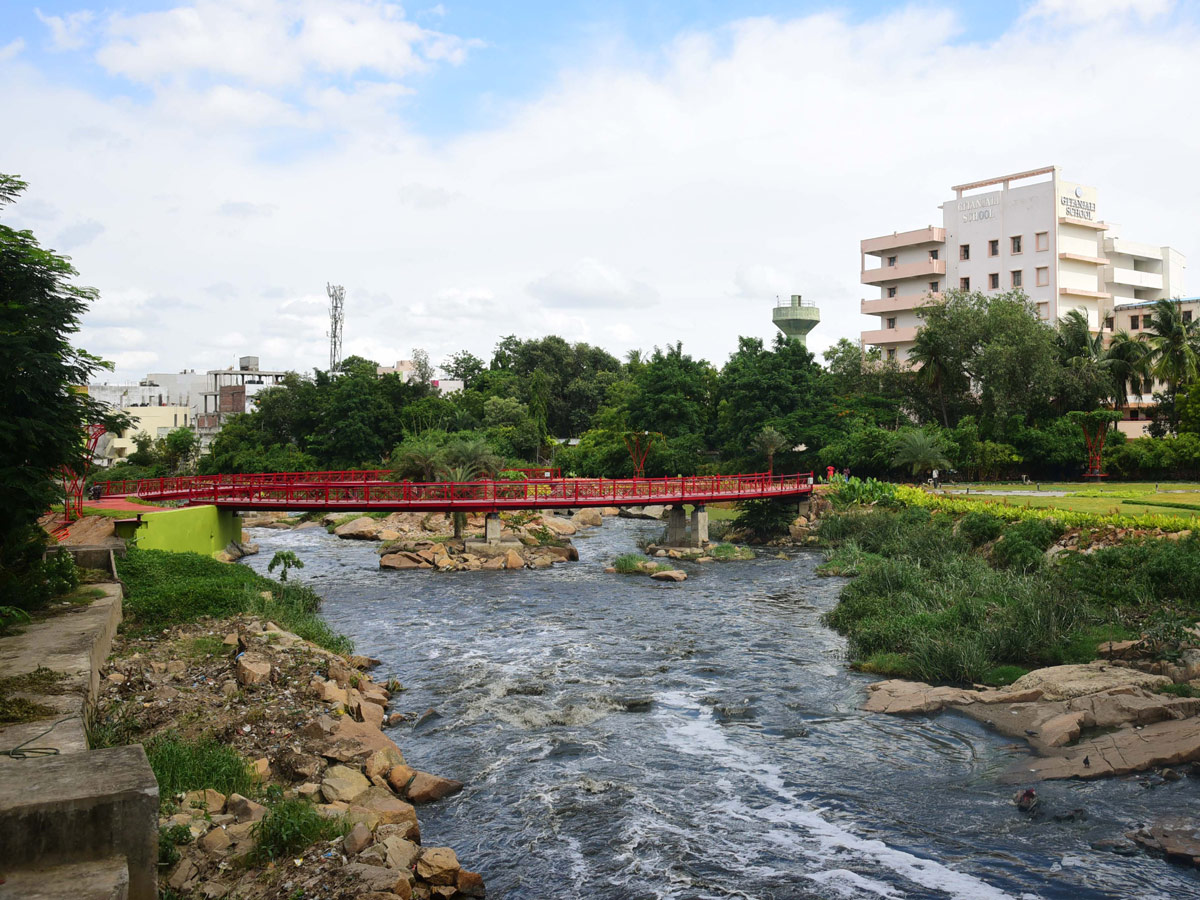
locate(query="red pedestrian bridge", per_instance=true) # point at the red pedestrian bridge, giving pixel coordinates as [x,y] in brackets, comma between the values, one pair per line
[378,490]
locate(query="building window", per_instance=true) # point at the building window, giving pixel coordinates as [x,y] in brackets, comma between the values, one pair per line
[964,251]
[891,322]
[1108,323]
[1134,414]
[964,284]
[891,260]
[1043,276]
[891,354]
[1043,240]
[994,248]
[1187,316]
[933,254]
[1016,243]
[1133,323]
[994,281]
[891,292]
[933,286]
[1043,311]
[1017,279]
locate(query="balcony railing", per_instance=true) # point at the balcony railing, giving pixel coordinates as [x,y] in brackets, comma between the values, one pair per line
[922,269]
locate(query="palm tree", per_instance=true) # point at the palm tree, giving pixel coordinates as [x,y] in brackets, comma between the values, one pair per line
[934,368]
[1129,366]
[474,454]
[769,442]
[921,451]
[418,458]
[459,473]
[1174,345]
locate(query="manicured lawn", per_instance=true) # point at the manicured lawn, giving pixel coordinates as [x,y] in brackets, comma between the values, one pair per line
[1115,497]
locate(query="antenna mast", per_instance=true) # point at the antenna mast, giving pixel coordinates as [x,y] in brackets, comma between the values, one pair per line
[337,300]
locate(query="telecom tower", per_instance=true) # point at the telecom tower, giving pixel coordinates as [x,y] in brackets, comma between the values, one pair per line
[337,301]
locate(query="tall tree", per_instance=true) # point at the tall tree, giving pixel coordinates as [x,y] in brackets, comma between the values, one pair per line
[42,410]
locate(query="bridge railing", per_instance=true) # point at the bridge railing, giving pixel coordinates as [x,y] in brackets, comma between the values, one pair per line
[366,489]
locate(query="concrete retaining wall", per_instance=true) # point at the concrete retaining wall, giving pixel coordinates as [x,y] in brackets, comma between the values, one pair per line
[193,529]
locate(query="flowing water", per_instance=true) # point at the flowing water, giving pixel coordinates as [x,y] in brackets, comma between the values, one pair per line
[623,738]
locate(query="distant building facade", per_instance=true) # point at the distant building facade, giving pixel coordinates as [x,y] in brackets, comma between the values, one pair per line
[1031,230]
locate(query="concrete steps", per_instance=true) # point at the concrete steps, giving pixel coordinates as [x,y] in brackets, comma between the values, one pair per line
[105,879]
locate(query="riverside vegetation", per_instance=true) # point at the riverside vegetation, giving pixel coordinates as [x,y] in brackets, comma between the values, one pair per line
[264,734]
[964,592]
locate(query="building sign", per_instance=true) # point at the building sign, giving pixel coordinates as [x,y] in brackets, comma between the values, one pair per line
[975,208]
[1077,207]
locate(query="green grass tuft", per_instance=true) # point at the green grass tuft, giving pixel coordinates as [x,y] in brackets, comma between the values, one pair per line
[1177,690]
[629,563]
[291,826]
[181,765]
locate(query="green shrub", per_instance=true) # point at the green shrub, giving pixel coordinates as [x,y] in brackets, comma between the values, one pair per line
[1017,554]
[1177,690]
[897,665]
[181,765]
[290,827]
[999,676]
[980,527]
[164,589]
[847,560]
[629,563]
[764,520]
[170,838]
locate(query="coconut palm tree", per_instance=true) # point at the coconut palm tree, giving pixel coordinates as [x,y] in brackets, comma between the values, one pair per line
[1123,364]
[474,454]
[1129,366]
[921,451]
[457,474]
[934,368]
[1174,345]
[419,458]
[769,442]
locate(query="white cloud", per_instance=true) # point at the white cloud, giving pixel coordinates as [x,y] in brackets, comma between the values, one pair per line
[78,235]
[69,32]
[591,284]
[11,50]
[1091,11]
[631,203]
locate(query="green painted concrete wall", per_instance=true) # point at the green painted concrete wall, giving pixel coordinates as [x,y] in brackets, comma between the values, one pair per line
[192,529]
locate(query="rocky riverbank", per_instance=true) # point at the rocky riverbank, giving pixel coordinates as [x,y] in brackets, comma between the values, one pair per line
[308,724]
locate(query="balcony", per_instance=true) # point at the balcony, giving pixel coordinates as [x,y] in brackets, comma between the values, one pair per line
[1083,258]
[1132,248]
[1152,281]
[883,337]
[1082,223]
[1080,292]
[895,240]
[882,305]
[922,269]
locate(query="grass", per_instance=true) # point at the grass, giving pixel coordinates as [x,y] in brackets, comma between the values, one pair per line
[943,600]
[181,765]
[1178,690]
[726,552]
[629,563]
[205,646]
[847,560]
[291,826]
[164,589]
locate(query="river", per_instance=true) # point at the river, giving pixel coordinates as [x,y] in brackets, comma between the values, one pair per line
[623,738]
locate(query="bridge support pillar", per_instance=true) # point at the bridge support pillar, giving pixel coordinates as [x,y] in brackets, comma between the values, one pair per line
[677,527]
[699,536]
[491,527]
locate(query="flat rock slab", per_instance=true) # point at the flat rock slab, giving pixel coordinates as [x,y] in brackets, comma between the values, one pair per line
[1120,753]
[105,879]
[1068,682]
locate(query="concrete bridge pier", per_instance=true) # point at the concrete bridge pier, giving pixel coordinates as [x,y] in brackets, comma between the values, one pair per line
[678,533]
[491,527]
[699,525]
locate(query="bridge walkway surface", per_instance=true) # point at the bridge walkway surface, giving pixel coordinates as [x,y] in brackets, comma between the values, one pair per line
[378,490]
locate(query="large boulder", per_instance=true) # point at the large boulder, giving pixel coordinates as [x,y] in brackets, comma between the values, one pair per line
[670,575]
[426,788]
[253,670]
[1067,682]
[898,696]
[642,512]
[588,518]
[438,865]
[364,528]
[402,561]
[560,526]
[344,784]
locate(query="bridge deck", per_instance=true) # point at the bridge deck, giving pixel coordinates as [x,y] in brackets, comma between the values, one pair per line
[373,490]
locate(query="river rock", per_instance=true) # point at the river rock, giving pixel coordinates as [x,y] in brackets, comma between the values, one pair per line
[357,839]
[373,878]
[610,511]
[344,784]
[470,884]
[560,526]
[402,560]
[438,865]
[210,801]
[1067,682]
[1061,729]
[390,808]
[1119,753]
[244,809]
[1177,839]
[363,528]
[642,512]
[670,575]
[492,564]
[898,696]
[426,788]
[513,560]
[588,518]
[381,762]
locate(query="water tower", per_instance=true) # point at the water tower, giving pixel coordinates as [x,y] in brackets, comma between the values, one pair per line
[796,318]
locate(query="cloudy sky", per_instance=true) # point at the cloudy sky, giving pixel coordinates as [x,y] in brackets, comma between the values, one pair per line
[625,173]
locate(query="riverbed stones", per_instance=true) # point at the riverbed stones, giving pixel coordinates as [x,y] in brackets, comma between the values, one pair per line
[438,865]
[898,696]
[1067,682]
[357,839]
[402,561]
[560,526]
[1176,838]
[253,670]
[588,518]
[344,784]
[513,560]
[427,788]
[670,575]
[381,762]
[244,809]
[207,801]
[1061,729]
[363,528]
[1169,743]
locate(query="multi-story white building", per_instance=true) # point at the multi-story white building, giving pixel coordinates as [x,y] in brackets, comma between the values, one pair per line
[1031,230]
